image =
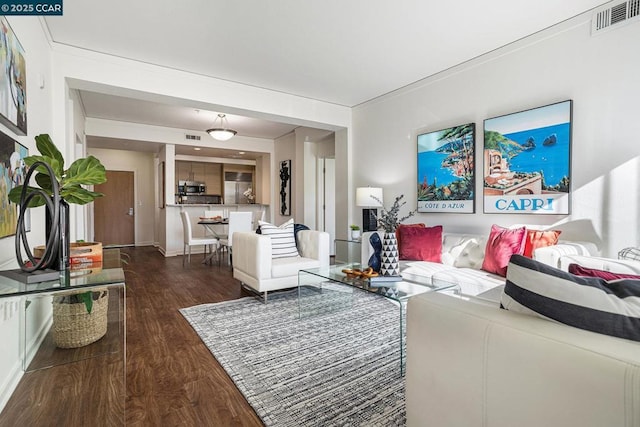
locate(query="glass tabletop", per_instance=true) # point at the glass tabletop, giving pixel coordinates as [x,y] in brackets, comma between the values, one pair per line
[101,273]
[411,283]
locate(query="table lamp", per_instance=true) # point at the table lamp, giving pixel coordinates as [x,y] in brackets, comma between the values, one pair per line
[369,197]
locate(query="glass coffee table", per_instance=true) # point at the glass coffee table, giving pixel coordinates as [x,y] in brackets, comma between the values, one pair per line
[337,290]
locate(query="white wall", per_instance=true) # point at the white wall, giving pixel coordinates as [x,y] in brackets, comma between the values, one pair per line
[600,75]
[39,120]
[142,165]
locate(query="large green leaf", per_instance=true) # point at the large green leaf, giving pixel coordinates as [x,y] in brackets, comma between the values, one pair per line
[87,299]
[15,193]
[55,164]
[85,171]
[47,148]
[78,195]
[44,181]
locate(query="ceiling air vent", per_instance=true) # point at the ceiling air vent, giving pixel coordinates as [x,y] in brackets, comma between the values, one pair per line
[611,17]
[197,137]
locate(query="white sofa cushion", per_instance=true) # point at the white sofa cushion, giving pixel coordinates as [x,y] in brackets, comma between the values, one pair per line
[466,250]
[282,267]
[469,280]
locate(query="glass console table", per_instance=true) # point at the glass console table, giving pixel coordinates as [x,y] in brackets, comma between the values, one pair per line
[60,384]
[336,290]
[347,251]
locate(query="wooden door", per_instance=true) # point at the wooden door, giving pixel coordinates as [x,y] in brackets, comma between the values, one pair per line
[114,213]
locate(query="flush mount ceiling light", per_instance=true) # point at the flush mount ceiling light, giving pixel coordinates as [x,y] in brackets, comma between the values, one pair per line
[221,132]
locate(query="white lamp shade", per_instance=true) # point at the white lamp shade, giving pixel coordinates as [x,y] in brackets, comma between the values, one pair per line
[365,197]
[221,134]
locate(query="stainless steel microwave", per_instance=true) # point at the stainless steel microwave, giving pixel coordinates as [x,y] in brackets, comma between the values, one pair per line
[191,187]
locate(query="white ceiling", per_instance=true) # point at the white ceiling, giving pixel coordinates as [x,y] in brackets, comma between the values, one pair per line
[337,51]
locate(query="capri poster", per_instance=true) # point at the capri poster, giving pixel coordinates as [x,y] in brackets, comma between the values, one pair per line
[527,161]
[446,170]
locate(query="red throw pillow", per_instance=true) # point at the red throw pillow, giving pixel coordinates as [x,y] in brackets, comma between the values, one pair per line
[421,243]
[502,243]
[578,270]
[539,239]
[399,232]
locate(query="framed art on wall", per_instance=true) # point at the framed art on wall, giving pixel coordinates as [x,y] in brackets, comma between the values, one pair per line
[12,173]
[527,161]
[446,170]
[13,80]
[285,187]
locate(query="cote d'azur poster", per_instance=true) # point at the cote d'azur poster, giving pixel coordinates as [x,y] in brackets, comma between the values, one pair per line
[527,157]
[446,170]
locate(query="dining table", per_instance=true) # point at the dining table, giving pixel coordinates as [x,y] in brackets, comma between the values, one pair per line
[210,225]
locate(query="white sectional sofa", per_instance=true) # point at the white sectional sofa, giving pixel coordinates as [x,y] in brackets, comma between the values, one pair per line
[470,363]
[462,256]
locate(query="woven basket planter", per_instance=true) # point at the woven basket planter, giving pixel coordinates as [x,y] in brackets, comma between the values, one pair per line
[73,326]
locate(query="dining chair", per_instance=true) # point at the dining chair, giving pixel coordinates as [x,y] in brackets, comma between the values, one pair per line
[238,221]
[189,240]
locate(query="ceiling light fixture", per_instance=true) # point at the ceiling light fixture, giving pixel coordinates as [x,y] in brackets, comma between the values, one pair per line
[221,132]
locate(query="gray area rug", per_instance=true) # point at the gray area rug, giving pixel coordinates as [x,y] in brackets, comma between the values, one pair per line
[338,368]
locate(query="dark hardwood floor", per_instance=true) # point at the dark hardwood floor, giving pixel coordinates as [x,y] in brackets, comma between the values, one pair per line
[171,377]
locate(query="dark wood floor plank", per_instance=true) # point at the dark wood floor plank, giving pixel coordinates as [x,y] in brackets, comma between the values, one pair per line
[171,377]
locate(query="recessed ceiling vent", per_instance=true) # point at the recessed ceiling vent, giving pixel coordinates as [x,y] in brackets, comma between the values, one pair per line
[197,137]
[611,17]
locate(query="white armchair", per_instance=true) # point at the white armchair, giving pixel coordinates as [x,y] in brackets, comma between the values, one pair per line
[256,270]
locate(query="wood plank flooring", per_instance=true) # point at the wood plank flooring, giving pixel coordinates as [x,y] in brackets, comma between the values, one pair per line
[171,377]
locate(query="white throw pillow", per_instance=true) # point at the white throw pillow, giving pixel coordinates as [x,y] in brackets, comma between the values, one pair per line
[468,254]
[283,242]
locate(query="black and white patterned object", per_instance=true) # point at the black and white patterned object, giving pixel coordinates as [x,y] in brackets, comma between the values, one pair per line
[339,368]
[591,303]
[283,242]
[390,265]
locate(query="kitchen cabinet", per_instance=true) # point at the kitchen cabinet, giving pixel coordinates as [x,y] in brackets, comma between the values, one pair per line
[183,171]
[213,178]
[198,171]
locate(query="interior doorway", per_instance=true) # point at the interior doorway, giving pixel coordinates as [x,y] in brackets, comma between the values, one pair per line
[114,214]
[327,199]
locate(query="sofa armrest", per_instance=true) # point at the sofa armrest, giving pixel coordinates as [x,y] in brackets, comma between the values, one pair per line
[315,245]
[619,266]
[252,254]
[461,354]
[551,255]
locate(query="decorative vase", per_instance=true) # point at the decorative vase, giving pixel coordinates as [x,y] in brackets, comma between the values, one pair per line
[390,264]
[355,234]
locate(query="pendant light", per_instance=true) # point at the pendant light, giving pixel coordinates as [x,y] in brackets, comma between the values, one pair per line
[221,132]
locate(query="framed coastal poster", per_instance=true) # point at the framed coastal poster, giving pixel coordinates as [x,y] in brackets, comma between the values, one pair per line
[527,158]
[285,187]
[12,174]
[13,80]
[446,170]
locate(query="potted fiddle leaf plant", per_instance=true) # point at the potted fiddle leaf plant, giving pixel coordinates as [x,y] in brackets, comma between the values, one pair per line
[79,318]
[85,171]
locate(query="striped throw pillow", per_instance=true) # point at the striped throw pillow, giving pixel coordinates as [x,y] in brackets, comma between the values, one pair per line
[283,243]
[591,303]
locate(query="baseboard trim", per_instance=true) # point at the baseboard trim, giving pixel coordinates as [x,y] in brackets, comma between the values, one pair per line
[10,384]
